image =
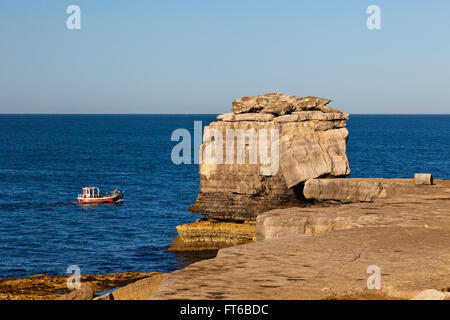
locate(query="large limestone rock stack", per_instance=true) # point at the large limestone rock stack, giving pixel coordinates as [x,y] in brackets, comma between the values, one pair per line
[257,158]
[311,143]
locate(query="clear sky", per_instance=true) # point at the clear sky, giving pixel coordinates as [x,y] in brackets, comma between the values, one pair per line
[194,56]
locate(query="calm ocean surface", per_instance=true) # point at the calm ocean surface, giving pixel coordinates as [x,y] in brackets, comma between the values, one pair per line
[45,160]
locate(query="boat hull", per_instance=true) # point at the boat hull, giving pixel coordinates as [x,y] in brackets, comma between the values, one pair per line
[107,199]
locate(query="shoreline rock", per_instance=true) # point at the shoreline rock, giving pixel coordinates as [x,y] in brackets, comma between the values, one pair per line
[212,235]
[139,290]
[44,287]
[84,293]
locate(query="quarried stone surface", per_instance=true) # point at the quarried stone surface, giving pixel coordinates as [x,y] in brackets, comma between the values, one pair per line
[324,252]
[329,266]
[344,190]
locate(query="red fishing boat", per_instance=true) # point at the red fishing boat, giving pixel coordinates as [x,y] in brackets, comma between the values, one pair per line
[91,195]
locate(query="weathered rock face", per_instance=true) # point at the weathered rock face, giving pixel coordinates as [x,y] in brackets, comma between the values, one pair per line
[264,151]
[307,153]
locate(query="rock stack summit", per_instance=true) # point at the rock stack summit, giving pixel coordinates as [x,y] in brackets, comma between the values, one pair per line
[305,137]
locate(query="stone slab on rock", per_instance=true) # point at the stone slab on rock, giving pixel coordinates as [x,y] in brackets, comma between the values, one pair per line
[327,109]
[287,118]
[280,104]
[311,103]
[312,115]
[226,117]
[343,190]
[329,125]
[317,115]
[423,179]
[273,103]
[253,117]
[246,105]
[230,117]
[346,190]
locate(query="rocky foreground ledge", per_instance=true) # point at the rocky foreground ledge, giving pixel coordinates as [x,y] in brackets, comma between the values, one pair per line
[133,286]
[316,252]
[323,252]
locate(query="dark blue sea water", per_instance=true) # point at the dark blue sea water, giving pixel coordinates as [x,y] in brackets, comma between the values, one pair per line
[45,160]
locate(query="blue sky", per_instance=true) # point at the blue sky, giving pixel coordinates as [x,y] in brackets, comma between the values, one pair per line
[197,56]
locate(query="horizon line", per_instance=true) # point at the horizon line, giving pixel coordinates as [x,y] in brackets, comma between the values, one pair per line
[188,114]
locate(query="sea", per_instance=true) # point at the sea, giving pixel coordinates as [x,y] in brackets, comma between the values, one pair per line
[45,160]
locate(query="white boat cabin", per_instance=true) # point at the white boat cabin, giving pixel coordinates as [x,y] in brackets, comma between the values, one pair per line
[90,192]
